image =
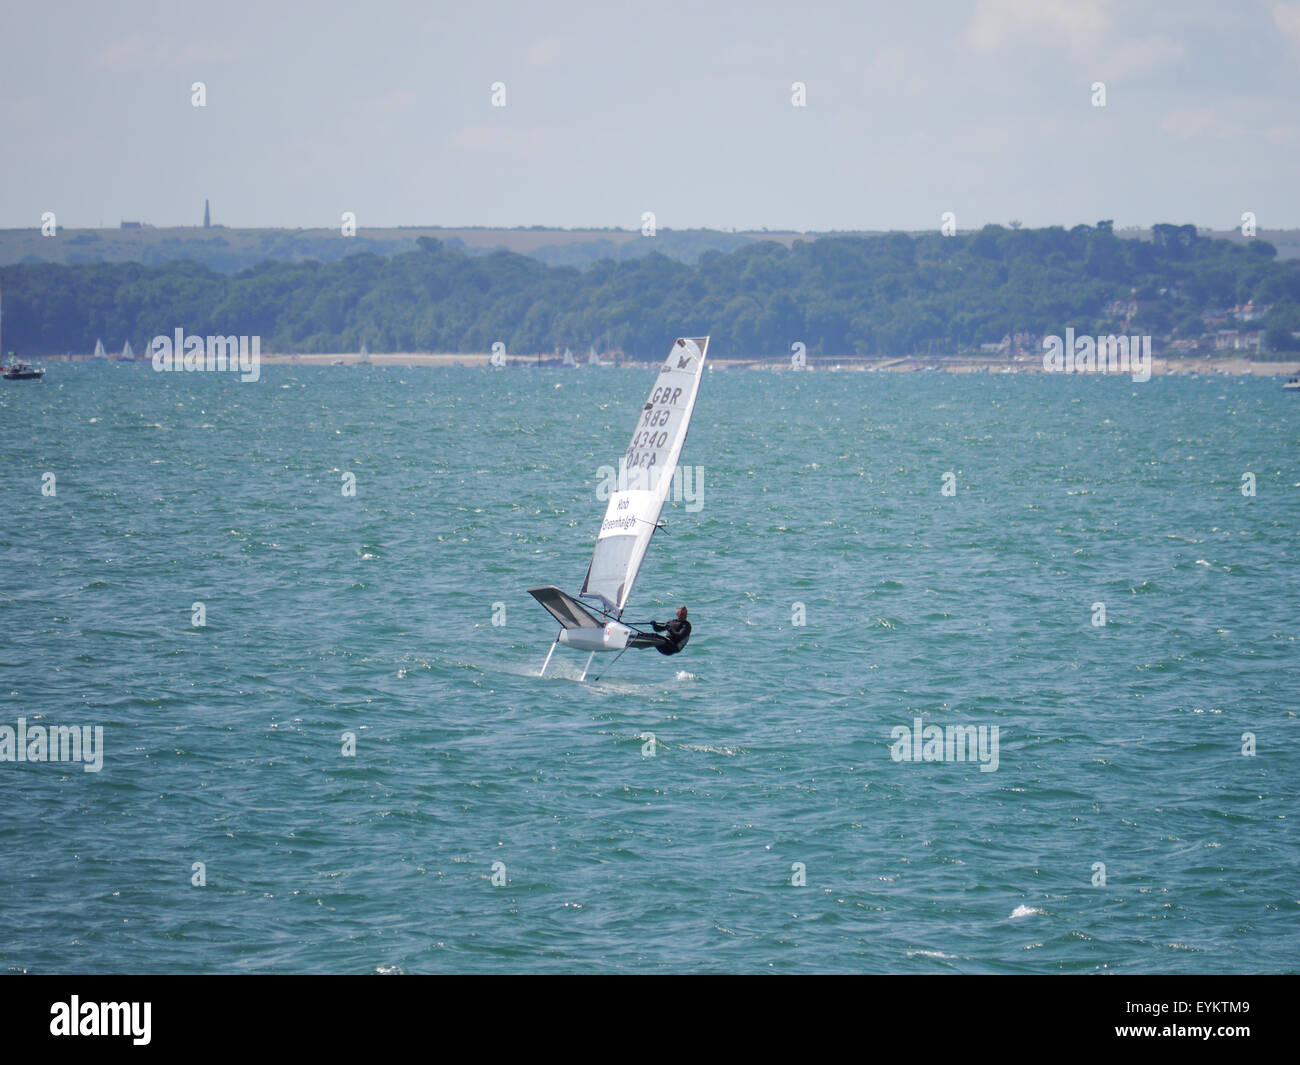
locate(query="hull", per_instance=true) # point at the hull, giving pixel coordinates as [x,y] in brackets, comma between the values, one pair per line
[612,637]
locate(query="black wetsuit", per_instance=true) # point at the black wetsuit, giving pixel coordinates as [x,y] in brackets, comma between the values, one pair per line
[678,633]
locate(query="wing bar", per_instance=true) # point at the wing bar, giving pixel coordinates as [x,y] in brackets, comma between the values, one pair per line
[565,609]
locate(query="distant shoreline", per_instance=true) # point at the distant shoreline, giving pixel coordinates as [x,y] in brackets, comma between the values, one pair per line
[953,364]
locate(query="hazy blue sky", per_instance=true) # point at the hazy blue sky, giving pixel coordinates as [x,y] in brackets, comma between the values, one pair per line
[983,108]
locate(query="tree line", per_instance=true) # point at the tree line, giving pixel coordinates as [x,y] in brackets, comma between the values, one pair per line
[893,294]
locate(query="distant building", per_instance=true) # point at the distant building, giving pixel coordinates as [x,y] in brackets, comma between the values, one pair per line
[1235,340]
[207,216]
[131,225]
[1023,343]
[1248,311]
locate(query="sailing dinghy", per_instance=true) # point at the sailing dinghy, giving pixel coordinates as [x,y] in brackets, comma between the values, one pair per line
[632,516]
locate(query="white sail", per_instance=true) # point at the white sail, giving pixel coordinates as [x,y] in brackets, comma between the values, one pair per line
[645,476]
[99,349]
[365,355]
[127,352]
[568,358]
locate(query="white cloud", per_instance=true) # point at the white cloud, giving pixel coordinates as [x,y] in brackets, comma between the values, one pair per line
[1193,123]
[1287,19]
[139,50]
[1083,28]
[1129,57]
[1078,22]
[544,51]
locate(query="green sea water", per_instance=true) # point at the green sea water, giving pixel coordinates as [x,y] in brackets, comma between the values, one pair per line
[488,820]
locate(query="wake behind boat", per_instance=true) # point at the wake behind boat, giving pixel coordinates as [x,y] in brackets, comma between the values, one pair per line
[631,517]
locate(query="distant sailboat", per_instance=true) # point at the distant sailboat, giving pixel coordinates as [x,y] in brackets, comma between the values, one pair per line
[569,362]
[592,358]
[365,355]
[100,353]
[127,353]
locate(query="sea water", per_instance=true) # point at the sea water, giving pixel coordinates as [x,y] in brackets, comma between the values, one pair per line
[297,610]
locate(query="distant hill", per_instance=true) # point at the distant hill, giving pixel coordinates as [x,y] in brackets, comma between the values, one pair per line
[231,250]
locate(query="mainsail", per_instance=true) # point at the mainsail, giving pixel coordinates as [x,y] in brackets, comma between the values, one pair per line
[645,476]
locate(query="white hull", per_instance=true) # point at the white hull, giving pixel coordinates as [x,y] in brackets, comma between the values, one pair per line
[613,637]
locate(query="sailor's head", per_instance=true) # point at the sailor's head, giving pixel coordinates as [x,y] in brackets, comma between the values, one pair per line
[681,613]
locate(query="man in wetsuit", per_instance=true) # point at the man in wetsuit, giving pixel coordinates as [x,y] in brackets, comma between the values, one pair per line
[677,632]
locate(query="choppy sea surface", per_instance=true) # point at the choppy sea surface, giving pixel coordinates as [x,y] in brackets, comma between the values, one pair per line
[489,820]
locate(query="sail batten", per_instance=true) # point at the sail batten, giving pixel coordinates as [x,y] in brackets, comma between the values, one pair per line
[645,476]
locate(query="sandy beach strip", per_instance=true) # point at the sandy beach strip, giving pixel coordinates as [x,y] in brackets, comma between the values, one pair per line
[1206,365]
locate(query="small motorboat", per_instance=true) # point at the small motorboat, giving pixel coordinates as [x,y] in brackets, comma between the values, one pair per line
[17,371]
[21,371]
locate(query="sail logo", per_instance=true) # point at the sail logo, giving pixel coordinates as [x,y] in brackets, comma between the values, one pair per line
[956,743]
[103,1018]
[242,355]
[55,743]
[687,486]
[1108,354]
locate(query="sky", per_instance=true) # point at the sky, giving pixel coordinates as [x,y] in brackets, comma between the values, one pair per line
[982,108]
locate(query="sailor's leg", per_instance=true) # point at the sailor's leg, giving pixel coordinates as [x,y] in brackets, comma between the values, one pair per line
[647,639]
[587,666]
[548,657]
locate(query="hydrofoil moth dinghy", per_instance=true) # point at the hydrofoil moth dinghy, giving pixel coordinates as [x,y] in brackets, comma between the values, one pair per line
[632,516]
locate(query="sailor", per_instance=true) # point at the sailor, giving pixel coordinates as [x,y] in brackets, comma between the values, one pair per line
[677,633]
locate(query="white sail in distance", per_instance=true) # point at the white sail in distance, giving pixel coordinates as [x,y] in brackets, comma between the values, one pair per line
[646,476]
